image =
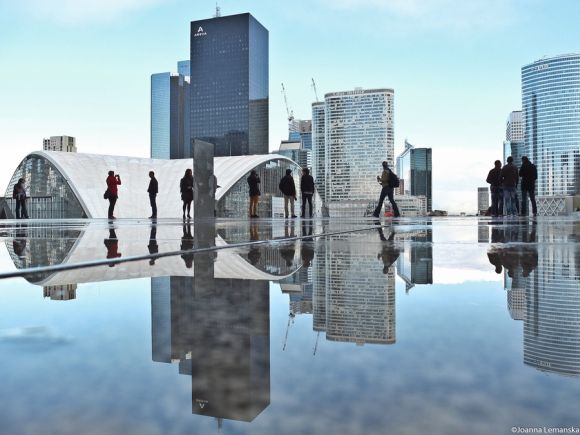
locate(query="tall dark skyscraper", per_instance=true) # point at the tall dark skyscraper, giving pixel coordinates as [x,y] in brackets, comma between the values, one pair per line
[229,84]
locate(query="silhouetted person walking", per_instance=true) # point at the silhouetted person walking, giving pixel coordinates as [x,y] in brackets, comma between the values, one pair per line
[112,192]
[307,190]
[153,189]
[288,188]
[494,180]
[529,175]
[386,180]
[19,194]
[186,188]
[254,185]
[509,183]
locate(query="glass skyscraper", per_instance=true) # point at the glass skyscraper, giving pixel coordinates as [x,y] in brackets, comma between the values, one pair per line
[170,131]
[359,135]
[551,110]
[229,84]
[414,168]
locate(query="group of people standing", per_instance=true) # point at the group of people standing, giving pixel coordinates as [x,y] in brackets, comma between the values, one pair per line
[185,187]
[288,189]
[503,183]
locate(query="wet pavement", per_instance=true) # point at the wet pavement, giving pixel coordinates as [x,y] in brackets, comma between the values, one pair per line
[439,326]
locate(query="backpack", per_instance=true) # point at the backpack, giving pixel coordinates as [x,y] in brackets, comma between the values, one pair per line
[393,180]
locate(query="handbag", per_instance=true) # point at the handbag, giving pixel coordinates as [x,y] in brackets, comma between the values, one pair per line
[106,195]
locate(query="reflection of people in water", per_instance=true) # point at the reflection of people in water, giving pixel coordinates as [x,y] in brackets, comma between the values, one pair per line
[112,244]
[254,254]
[306,248]
[389,252]
[152,246]
[19,242]
[512,257]
[187,245]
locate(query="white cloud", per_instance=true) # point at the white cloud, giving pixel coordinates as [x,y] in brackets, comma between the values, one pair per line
[80,11]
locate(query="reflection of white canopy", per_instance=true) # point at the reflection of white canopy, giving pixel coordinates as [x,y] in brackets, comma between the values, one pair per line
[86,174]
[133,241]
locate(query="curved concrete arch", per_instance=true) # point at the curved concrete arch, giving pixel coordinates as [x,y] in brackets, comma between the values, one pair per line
[85,175]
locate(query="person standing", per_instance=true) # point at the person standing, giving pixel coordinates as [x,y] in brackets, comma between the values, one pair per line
[387,191]
[288,189]
[186,188]
[254,185]
[153,189]
[509,183]
[494,180]
[112,192]
[307,190]
[529,175]
[19,194]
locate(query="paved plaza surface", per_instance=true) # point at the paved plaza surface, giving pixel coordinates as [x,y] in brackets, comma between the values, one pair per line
[273,326]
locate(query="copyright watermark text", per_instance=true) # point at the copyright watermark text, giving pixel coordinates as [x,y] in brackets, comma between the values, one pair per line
[545,429]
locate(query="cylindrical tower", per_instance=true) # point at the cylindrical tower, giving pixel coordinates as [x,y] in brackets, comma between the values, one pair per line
[551,108]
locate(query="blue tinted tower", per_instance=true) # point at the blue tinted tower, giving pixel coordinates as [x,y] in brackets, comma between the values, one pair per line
[229,84]
[170,114]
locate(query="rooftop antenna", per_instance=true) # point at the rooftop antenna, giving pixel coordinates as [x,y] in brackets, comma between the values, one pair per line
[218,11]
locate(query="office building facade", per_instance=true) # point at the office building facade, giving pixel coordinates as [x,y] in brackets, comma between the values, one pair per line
[514,128]
[66,144]
[414,168]
[359,135]
[318,148]
[301,130]
[482,200]
[513,144]
[170,132]
[550,101]
[229,84]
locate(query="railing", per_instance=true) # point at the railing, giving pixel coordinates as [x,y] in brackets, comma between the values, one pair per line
[40,207]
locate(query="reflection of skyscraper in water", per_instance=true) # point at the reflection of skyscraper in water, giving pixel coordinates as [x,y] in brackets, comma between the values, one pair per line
[64,292]
[415,264]
[319,285]
[218,331]
[357,307]
[552,323]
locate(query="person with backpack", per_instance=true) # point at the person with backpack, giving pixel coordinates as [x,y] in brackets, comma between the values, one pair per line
[529,175]
[389,181]
[288,189]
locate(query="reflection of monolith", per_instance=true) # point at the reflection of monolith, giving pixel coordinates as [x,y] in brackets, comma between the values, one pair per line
[204,181]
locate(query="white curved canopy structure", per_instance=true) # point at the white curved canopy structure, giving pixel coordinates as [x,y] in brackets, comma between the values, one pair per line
[86,174]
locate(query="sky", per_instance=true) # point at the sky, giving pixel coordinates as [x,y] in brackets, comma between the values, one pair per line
[82,68]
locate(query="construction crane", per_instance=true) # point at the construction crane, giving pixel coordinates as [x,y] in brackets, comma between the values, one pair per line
[314,87]
[290,322]
[289,112]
